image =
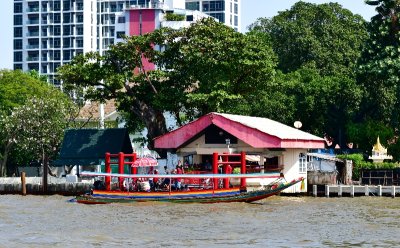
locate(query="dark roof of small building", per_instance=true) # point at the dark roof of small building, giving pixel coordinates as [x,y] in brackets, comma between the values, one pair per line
[88,146]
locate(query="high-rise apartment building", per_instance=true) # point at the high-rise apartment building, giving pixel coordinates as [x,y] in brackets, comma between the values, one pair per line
[226,11]
[49,33]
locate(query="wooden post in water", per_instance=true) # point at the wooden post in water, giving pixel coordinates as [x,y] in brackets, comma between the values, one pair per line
[352,191]
[314,189]
[379,190]
[327,190]
[23,183]
[366,188]
[393,191]
[340,190]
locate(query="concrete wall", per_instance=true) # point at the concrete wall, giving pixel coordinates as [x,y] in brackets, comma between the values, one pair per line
[12,185]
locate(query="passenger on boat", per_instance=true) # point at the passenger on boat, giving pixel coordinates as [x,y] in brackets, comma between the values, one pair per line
[178,181]
[155,184]
[207,165]
[165,183]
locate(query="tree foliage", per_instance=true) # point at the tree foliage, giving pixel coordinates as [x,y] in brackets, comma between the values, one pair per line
[323,36]
[32,120]
[205,67]
[380,64]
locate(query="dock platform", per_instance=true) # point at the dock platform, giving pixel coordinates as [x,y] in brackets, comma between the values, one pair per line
[356,190]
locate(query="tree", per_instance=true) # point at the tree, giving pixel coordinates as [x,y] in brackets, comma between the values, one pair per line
[16,87]
[323,36]
[380,65]
[35,128]
[198,69]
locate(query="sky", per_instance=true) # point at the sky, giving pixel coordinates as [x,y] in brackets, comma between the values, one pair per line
[251,10]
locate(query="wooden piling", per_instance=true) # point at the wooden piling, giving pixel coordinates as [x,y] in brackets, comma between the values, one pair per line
[393,191]
[23,183]
[315,192]
[340,190]
[327,190]
[352,191]
[379,190]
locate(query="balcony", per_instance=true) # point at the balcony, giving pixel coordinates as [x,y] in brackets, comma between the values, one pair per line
[35,21]
[31,34]
[32,9]
[36,46]
[32,59]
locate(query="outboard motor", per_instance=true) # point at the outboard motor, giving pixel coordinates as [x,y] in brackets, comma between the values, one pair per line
[99,185]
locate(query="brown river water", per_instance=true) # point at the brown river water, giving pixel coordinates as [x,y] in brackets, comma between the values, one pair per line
[53,221]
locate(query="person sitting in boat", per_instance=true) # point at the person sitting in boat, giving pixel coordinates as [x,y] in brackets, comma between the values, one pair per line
[155,185]
[178,181]
[207,165]
[165,183]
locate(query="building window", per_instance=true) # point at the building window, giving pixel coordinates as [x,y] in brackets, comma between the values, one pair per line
[57,43]
[57,18]
[302,163]
[79,18]
[120,34]
[66,55]
[57,6]
[17,19]
[17,66]
[17,56]
[57,30]
[189,18]
[18,32]
[121,19]
[219,16]
[79,30]
[66,43]
[67,17]
[57,55]
[236,8]
[236,20]
[66,30]
[17,7]
[193,6]
[79,42]
[217,5]
[17,44]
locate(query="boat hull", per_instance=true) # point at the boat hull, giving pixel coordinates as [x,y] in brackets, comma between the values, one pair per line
[191,196]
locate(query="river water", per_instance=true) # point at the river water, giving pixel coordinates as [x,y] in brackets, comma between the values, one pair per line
[53,221]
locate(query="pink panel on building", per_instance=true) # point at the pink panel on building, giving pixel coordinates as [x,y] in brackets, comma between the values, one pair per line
[142,21]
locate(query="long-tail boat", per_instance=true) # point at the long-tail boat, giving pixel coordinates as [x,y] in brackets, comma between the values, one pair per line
[209,188]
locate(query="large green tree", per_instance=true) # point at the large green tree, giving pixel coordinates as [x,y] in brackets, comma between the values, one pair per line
[323,36]
[205,67]
[379,75]
[24,121]
[16,86]
[380,64]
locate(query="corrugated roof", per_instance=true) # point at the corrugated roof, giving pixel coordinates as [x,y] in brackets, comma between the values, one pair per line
[271,127]
[87,146]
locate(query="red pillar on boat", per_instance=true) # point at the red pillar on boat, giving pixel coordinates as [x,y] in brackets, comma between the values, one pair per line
[108,170]
[121,163]
[225,166]
[243,168]
[215,169]
[134,168]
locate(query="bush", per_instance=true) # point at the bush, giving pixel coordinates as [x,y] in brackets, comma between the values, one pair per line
[359,164]
[174,17]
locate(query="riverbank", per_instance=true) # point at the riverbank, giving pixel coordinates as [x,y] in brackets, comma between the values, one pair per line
[34,186]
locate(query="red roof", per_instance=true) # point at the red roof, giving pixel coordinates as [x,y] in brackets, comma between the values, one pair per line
[255,131]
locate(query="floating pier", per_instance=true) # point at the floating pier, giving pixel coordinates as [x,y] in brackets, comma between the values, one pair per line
[357,190]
